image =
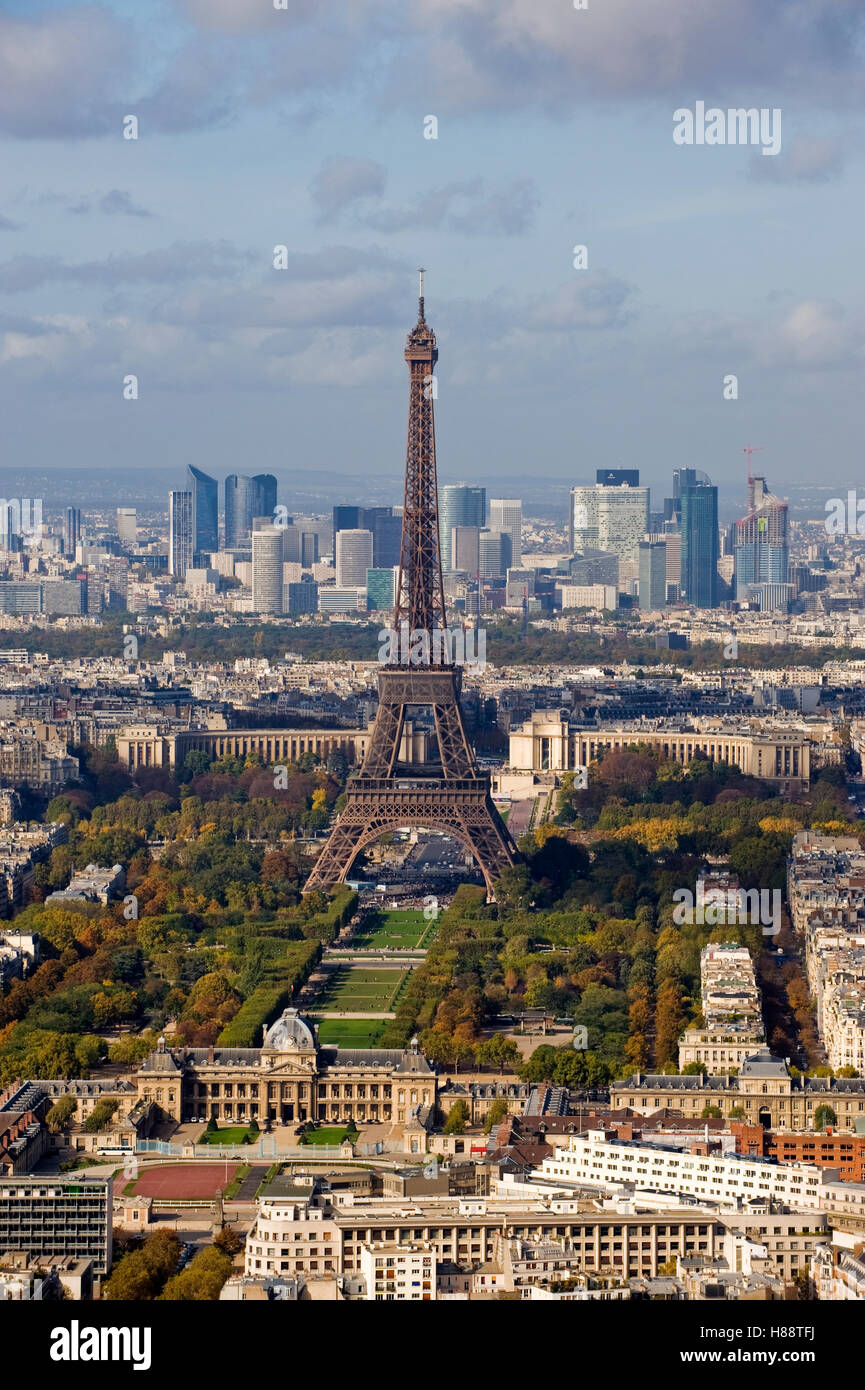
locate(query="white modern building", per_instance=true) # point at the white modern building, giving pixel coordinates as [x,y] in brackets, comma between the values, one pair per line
[506,514]
[353,558]
[267,570]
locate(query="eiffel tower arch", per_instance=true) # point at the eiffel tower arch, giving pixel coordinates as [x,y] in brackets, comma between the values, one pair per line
[448,793]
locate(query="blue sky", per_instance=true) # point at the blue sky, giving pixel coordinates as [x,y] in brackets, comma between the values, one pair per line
[305,128]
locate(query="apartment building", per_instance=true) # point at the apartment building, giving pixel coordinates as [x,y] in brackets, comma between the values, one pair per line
[60,1215]
[763,1093]
[826,894]
[395,1273]
[600,1158]
[730,1002]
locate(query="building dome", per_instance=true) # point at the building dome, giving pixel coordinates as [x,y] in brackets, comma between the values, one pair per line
[290,1033]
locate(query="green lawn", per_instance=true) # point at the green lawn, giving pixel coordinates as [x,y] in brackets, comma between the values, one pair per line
[328,1135]
[231,1134]
[400,928]
[354,989]
[351,1032]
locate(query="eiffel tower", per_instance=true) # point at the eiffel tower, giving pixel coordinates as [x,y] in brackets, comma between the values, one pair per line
[449,794]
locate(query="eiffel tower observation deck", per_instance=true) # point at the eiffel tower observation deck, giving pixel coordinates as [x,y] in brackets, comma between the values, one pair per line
[448,793]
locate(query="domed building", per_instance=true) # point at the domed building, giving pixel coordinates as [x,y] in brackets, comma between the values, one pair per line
[289,1079]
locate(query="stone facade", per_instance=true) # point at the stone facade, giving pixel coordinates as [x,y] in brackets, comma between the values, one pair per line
[288,1080]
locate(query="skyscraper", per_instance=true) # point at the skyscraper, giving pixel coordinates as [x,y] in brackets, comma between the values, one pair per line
[127,528]
[180,538]
[205,509]
[464,549]
[71,530]
[613,517]
[506,514]
[699,545]
[761,549]
[459,505]
[267,570]
[381,588]
[353,558]
[246,498]
[653,574]
[494,553]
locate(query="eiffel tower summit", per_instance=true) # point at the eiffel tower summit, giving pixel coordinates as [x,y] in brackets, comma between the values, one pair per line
[447,793]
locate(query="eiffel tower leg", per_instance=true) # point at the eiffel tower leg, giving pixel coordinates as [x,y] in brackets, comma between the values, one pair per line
[338,854]
[486,836]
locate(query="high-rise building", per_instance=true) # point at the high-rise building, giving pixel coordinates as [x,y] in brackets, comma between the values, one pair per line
[459,505]
[267,570]
[127,527]
[71,531]
[761,548]
[464,549]
[610,517]
[381,588]
[653,574]
[57,1215]
[347,518]
[699,585]
[301,596]
[180,537]
[353,558]
[205,510]
[246,498]
[386,537]
[494,553]
[300,547]
[506,514]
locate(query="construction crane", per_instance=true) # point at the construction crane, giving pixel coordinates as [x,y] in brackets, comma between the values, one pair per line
[750,449]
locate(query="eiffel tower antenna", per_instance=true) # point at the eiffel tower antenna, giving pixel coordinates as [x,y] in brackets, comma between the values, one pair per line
[444,791]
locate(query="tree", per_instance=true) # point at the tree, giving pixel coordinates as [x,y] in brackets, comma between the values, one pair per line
[496,1112]
[61,1113]
[711,1112]
[824,1115]
[202,1280]
[228,1241]
[99,1116]
[457,1119]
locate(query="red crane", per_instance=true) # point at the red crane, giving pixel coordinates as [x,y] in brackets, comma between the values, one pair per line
[750,449]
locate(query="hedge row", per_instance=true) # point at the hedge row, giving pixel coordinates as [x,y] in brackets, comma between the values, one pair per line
[267,1002]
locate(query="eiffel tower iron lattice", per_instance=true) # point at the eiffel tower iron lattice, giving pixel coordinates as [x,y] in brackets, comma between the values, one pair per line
[449,794]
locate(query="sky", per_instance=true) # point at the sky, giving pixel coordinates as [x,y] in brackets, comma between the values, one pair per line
[304,128]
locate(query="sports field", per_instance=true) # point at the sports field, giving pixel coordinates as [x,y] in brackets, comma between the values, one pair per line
[351,1032]
[400,929]
[184,1180]
[355,989]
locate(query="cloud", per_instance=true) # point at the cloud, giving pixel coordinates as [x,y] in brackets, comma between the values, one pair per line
[171,265]
[343,182]
[115,202]
[809,335]
[504,211]
[807,160]
[66,73]
[547,55]
[592,299]
[7,225]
